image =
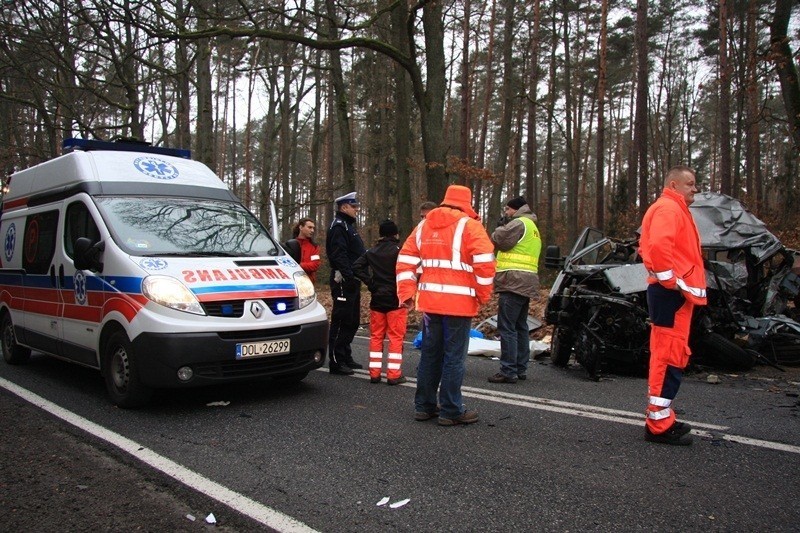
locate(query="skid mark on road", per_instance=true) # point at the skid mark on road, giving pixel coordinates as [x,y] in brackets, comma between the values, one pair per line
[242,504]
[712,431]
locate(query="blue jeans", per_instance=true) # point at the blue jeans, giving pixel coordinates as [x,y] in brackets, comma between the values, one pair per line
[445,340]
[512,324]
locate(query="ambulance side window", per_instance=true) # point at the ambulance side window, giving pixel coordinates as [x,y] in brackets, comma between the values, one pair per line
[79,223]
[39,244]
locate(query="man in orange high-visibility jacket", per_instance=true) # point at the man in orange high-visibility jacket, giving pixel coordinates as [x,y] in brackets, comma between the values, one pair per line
[456,273]
[670,249]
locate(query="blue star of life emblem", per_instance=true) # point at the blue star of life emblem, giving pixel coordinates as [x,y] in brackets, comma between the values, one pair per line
[80,287]
[156,168]
[10,241]
[153,263]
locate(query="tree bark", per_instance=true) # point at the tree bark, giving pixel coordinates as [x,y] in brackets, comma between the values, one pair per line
[532,145]
[752,170]
[599,215]
[724,102]
[402,121]
[572,170]
[782,55]
[640,124]
[342,114]
[504,134]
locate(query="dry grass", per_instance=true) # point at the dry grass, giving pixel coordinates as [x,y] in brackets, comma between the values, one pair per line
[414,317]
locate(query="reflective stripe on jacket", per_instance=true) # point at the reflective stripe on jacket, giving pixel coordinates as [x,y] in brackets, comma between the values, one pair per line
[670,247]
[457,265]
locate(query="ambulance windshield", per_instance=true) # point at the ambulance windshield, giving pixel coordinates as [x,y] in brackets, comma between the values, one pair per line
[184,226]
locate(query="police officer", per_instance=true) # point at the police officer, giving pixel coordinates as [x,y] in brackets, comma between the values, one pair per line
[343,245]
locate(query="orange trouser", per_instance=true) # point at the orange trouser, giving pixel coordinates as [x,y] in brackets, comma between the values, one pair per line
[669,355]
[393,325]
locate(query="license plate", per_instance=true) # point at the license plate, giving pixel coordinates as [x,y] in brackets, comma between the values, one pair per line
[259,349]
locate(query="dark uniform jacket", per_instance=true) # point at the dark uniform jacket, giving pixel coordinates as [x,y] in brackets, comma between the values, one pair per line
[376,268]
[343,246]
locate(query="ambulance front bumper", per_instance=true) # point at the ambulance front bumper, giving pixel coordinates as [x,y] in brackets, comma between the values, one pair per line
[212,356]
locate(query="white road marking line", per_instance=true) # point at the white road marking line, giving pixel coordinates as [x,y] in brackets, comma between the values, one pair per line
[238,502]
[597,413]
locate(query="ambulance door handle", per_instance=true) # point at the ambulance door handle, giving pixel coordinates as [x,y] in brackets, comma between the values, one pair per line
[61,276]
[53,275]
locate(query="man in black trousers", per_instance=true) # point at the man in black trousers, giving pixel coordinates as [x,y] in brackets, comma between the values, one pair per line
[343,246]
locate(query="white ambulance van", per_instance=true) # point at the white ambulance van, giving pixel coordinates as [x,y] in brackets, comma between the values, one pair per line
[139,262]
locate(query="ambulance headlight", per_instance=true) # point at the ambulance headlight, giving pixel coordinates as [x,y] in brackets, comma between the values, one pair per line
[171,293]
[305,289]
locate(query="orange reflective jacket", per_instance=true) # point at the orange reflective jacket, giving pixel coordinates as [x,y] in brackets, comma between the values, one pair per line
[670,247]
[456,264]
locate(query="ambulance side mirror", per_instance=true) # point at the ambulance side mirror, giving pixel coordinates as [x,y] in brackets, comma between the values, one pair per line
[87,254]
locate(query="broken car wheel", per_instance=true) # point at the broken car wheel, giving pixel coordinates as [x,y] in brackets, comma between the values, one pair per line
[715,350]
[561,346]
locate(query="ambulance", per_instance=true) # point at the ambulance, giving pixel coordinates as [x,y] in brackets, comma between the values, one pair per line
[139,262]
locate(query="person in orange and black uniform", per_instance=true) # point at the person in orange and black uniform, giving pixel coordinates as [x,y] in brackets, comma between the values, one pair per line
[376,268]
[343,246]
[670,249]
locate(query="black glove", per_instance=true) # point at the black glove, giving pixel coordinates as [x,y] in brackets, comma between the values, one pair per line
[502,221]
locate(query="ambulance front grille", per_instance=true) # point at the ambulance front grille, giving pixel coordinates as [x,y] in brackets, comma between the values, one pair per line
[263,366]
[235,308]
[225,309]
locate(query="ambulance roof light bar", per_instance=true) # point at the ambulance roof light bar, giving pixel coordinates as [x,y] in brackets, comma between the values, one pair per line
[126,145]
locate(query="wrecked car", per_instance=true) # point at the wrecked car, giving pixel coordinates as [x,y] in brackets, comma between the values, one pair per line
[598,303]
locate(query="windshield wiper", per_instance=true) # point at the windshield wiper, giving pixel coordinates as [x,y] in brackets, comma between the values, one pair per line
[196,254]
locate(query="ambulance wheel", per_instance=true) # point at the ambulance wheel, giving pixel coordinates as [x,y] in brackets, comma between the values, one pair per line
[13,353]
[122,374]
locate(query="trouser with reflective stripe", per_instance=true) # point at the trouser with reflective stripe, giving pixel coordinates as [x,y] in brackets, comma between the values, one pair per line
[390,324]
[671,317]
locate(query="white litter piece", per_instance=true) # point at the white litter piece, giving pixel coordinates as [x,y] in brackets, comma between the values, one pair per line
[218,404]
[191,517]
[383,501]
[211,519]
[399,504]
[491,348]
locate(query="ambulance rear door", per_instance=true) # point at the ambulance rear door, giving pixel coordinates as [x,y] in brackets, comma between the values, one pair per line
[42,303]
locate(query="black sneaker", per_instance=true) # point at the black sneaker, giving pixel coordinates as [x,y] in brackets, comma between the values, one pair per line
[341,370]
[375,380]
[522,377]
[681,428]
[353,364]
[500,378]
[398,381]
[672,436]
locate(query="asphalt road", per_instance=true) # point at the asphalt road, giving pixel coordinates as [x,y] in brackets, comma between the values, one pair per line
[554,453]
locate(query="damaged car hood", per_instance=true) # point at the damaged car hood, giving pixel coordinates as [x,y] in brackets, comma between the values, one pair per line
[724,223]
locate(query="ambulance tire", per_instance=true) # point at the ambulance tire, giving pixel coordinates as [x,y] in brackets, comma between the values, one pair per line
[121,373]
[13,353]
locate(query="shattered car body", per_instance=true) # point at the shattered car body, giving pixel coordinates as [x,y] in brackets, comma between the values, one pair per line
[598,303]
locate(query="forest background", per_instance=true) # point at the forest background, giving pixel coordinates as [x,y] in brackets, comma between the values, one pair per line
[579,105]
